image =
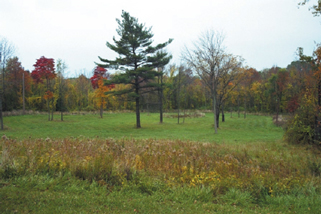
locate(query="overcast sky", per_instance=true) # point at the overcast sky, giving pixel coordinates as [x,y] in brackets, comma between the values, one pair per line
[264,32]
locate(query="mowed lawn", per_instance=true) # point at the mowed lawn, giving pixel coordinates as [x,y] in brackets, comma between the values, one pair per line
[118,125]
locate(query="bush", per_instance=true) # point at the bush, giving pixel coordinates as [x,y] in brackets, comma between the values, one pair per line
[301,127]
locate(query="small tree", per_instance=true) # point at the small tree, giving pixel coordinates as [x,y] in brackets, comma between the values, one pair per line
[62,88]
[301,127]
[45,70]
[211,62]
[137,57]
[16,75]
[97,82]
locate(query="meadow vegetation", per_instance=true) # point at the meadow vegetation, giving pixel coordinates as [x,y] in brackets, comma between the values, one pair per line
[155,174]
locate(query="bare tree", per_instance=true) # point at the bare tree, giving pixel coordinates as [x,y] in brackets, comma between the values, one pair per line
[62,88]
[212,63]
[6,51]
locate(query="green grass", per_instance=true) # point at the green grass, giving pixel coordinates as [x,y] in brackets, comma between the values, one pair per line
[234,130]
[44,194]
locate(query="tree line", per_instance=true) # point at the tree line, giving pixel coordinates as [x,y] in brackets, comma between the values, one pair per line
[208,78]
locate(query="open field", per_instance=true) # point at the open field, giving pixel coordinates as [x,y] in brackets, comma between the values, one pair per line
[161,168]
[234,130]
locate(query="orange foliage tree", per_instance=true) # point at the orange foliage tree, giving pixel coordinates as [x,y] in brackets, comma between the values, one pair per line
[97,81]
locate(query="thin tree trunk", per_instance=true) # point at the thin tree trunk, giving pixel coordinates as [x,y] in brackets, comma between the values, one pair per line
[218,117]
[48,100]
[23,94]
[205,101]
[178,95]
[277,112]
[52,110]
[161,101]
[223,116]
[101,110]
[1,118]
[317,117]
[48,109]
[184,116]
[214,112]
[61,115]
[238,106]
[244,108]
[2,97]
[3,87]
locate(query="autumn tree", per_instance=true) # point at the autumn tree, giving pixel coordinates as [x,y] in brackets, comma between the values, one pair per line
[137,58]
[45,70]
[16,76]
[97,83]
[231,76]
[169,91]
[304,126]
[211,62]
[277,86]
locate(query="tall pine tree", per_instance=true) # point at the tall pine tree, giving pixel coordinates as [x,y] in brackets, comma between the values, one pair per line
[137,57]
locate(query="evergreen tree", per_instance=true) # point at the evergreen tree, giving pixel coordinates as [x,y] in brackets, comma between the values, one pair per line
[137,57]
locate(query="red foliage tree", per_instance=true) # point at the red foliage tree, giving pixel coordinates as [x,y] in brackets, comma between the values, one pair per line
[99,73]
[45,69]
[293,104]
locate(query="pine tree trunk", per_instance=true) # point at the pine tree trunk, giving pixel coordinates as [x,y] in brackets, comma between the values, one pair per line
[137,113]
[161,101]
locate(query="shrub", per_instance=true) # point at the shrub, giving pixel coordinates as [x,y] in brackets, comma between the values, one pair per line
[301,127]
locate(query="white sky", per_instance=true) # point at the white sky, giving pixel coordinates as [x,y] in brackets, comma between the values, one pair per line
[264,32]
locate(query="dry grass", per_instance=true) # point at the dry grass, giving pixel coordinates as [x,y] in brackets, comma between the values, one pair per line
[272,169]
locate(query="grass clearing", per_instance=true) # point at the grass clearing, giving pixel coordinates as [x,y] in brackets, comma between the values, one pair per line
[234,130]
